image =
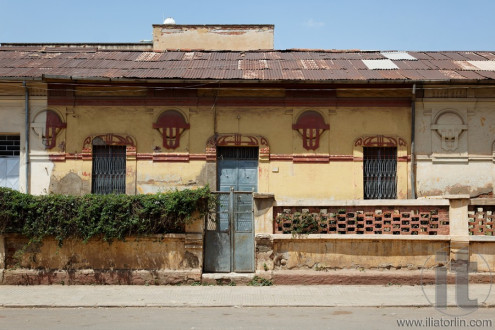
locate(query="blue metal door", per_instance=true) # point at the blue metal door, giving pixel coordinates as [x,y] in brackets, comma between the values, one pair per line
[229,241]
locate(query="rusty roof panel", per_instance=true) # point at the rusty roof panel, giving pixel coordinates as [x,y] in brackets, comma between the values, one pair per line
[458,56]
[372,74]
[309,64]
[488,55]
[253,74]
[274,65]
[473,56]
[413,65]
[452,74]
[486,74]
[438,56]
[292,75]
[433,75]
[471,75]
[342,64]
[412,74]
[289,65]
[442,65]
[273,56]
[222,65]
[390,74]
[201,56]
[350,74]
[273,74]
[315,74]
[260,65]
[252,64]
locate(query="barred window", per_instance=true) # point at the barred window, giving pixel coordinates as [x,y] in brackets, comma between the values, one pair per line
[380,172]
[109,169]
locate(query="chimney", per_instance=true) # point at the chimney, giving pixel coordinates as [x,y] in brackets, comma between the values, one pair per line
[172,36]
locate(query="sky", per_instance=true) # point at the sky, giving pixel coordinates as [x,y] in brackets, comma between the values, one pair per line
[315,24]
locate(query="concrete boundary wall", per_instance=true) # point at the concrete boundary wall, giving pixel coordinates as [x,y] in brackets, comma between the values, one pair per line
[178,258]
[146,260]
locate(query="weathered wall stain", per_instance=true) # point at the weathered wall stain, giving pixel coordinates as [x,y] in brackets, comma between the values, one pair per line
[70,184]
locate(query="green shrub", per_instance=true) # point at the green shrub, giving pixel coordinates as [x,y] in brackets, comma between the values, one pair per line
[106,216]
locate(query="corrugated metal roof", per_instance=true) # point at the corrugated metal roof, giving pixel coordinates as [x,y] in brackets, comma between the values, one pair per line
[318,65]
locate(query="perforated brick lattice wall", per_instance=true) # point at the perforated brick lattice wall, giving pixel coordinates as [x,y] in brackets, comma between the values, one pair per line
[481,220]
[362,220]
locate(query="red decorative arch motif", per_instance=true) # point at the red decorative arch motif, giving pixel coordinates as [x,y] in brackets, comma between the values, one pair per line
[110,139]
[380,141]
[237,140]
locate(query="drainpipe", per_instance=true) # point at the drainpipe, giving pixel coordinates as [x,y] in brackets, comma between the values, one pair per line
[413,155]
[26,134]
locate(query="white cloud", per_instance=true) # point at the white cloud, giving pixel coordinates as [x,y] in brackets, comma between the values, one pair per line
[311,23]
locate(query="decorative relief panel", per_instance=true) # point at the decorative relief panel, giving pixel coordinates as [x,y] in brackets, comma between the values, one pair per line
[449,125]
[171,124]
[47,125]
[311,126]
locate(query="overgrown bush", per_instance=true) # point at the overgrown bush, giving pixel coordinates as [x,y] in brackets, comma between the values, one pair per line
[106,216]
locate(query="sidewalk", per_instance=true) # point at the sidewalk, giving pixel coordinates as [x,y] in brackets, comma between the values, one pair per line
[223,296]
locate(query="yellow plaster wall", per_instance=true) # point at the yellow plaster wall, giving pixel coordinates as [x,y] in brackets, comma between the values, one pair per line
[348,124]
[88,121]
[155,177]
[334,180]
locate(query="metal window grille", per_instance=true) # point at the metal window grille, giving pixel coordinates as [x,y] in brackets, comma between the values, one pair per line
[239,153]
[109,169]
[380,172]
[10,145]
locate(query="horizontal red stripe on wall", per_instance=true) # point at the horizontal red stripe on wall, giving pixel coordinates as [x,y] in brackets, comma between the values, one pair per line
[174,157]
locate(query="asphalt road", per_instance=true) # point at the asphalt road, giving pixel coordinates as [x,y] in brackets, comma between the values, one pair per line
[299,318]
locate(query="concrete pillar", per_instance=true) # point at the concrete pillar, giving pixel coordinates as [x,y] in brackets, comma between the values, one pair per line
[459,229]
[263,213]
[194,243]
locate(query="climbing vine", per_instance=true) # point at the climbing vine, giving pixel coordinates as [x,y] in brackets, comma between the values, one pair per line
[106,216]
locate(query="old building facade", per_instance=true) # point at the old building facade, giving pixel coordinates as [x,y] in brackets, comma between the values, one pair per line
[300,128]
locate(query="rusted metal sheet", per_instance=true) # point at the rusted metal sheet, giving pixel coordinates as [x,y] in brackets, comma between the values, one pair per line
[81,62]
[471,75]
[452,74]
[443,65]
[391,74]
[487,74]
